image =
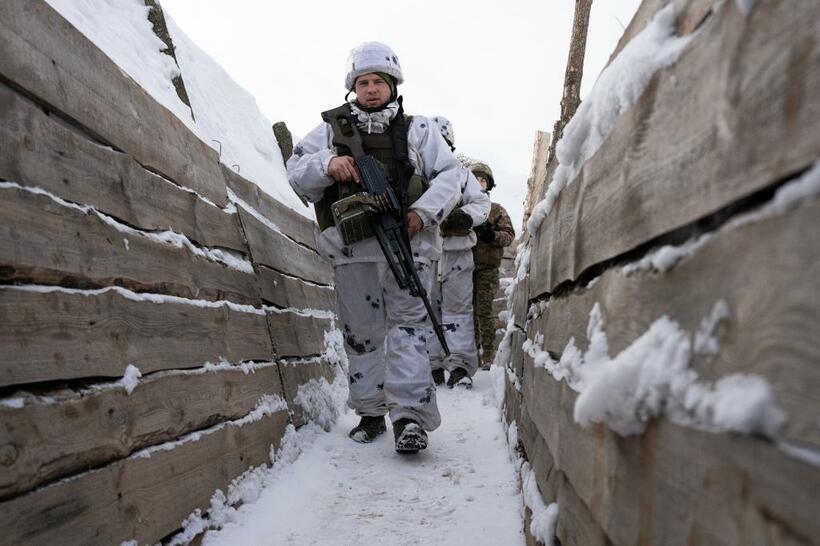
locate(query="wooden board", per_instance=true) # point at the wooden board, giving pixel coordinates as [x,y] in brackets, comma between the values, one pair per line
[45,242]
[286,291]
[291,223]
[139,498]
[645,490]
[272,249]
[44,441]
[40,150]
[297,335]
[59,336]
[733,116]
[767,274]
[296,374]
[49,58]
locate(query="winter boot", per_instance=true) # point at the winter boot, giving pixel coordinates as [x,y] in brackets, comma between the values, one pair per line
[438,376]
[368,429]
[410,437]
[459,376]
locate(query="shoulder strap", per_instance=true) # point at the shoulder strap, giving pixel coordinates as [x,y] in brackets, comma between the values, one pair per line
[398,134]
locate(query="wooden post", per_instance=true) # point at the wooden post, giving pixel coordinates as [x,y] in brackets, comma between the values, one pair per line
[575,70]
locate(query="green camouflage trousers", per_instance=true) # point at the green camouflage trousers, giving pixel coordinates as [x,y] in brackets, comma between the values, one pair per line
[485,287]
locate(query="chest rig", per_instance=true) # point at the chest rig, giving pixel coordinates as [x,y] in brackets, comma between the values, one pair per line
[390,149]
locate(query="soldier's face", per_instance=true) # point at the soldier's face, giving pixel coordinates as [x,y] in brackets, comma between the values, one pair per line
[483,182]
[371,90]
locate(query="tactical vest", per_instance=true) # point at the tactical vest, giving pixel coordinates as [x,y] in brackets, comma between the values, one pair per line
[380,146]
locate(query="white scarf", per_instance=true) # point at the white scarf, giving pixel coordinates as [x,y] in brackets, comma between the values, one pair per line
[374,122]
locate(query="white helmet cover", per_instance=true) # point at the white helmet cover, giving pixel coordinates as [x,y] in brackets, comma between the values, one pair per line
[446,129]
[372,57]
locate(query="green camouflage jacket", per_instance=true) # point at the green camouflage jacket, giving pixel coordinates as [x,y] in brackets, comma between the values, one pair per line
[489,254]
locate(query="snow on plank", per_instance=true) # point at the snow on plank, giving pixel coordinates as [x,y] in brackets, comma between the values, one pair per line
[771,327]
[286,291]
[64,432]
[41,151]
[297,334]
[298,373]
[54,334]
[83,83]
[672,469]
[700,137]
[275,250]
[146,496]
[269,211]
[48,239]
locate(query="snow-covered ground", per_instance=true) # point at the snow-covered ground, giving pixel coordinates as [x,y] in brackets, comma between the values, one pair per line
[462,490]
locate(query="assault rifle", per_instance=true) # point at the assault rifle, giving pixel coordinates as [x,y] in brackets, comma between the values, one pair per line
[376,212]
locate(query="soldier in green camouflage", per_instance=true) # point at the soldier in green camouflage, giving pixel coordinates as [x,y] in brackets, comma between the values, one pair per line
[493,235]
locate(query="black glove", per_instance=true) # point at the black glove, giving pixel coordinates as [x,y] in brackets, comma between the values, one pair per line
[458,219]
[485,233]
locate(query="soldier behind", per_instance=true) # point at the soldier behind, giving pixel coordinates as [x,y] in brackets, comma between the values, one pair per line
[452,293]
[493,235]
[385,328]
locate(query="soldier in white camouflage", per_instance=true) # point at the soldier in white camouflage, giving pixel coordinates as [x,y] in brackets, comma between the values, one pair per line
[493,235]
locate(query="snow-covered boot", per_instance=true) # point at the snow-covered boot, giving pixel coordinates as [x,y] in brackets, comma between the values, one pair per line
[459,376]
[368,429]
[410,437]
[438,376]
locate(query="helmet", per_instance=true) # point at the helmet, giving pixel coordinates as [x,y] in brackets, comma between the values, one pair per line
[372,57]
[446,129]
[482,168]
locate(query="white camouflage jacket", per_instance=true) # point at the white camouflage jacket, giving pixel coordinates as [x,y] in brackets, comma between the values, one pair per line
[431,157]
[476,204]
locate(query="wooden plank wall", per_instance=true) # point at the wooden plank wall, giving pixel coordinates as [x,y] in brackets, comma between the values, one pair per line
[707,144]
[123,241]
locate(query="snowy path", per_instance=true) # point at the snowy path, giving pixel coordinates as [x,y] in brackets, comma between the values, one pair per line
[462,490]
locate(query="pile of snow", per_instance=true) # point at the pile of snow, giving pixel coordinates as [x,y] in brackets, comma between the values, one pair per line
[222,113]
[544,517]
[653,378]
[130,379]
[617,88]
[666,257]
[791,194]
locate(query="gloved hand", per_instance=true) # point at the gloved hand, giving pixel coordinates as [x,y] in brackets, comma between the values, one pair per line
[485,233]
[458,219]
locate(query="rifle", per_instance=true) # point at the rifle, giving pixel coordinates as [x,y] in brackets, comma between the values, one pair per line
[379,207]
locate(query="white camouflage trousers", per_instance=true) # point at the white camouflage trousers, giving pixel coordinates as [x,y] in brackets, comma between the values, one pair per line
[452,300]
[386,333]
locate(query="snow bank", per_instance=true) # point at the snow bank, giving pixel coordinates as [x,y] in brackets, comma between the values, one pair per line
[122,31]
[228,119]
[617,88]
[322,403]
[247,487]
[653,378]
[225,116]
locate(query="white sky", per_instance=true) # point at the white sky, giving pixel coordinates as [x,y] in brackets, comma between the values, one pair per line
[496,70]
